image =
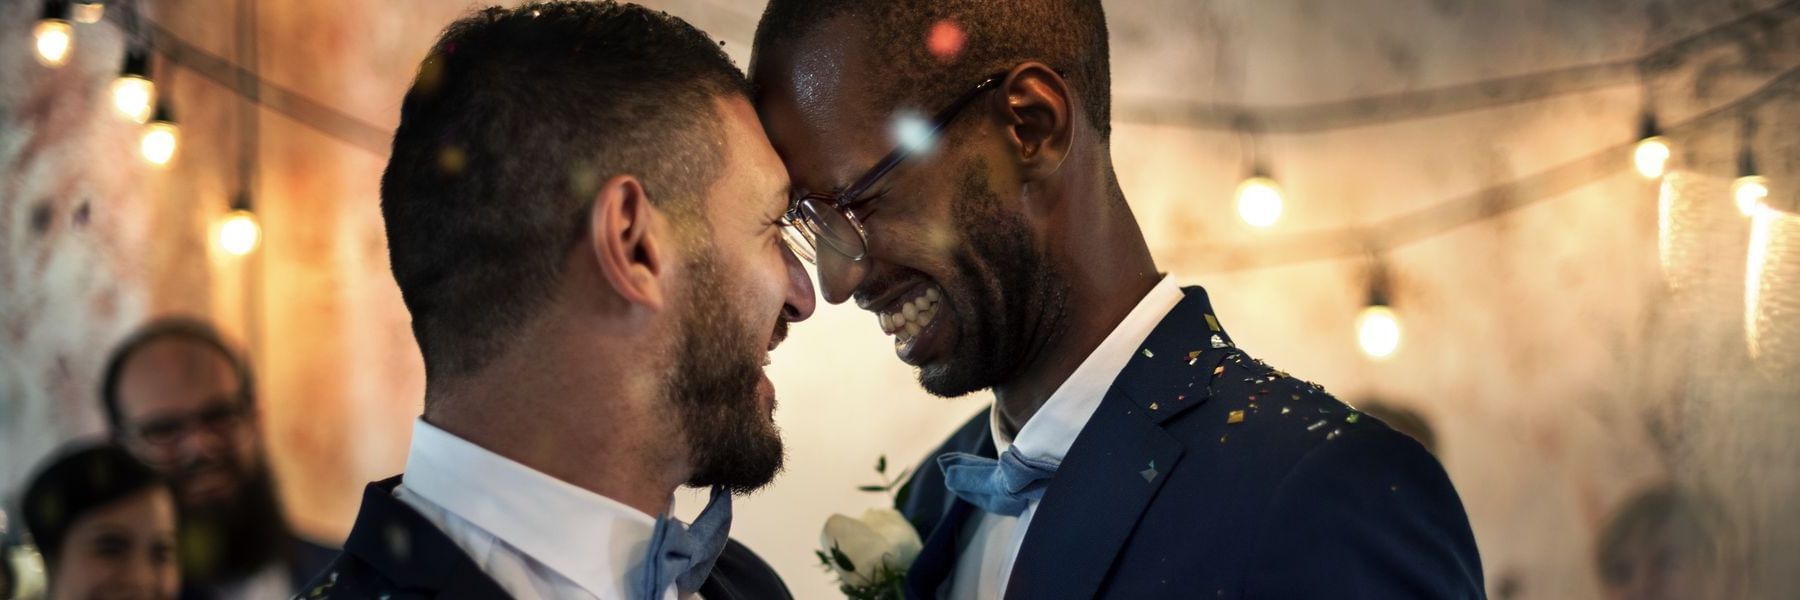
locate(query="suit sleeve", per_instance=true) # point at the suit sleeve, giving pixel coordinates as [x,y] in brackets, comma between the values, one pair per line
[1369,514]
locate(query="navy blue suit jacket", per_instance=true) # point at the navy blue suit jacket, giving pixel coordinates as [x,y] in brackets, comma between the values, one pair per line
[1206,474]
[394,552]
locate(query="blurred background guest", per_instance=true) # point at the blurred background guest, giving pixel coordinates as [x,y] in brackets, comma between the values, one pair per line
[105,524]
[183,402]
[1666,542]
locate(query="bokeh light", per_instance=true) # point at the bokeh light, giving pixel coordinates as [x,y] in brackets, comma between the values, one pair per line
[1651,156]
[239,233]
[1259,201]
[55,41]
[1378,332]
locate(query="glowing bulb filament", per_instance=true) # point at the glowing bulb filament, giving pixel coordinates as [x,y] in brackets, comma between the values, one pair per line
[1259,201]
[55,41]
[239,234]
[160,142]
[1749,192]
[1652,156]
[134,97]
[1378,331]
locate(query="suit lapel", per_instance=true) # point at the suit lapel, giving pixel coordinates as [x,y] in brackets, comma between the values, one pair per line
[1121,457]
[937,559]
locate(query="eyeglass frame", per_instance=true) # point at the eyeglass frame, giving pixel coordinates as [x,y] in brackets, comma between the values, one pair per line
[794,222]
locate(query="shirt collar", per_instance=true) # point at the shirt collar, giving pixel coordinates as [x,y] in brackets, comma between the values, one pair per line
[1050,432]
[594,541]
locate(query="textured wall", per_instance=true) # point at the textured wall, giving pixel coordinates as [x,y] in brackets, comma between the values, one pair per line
[1581,344]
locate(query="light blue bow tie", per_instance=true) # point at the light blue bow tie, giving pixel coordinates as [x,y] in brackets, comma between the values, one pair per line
[684,556]
[1002,487]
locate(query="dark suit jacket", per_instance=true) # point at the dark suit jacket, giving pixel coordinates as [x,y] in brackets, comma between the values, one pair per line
[393,552]
[1206,474]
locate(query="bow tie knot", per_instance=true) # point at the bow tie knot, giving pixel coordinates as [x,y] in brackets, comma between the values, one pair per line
[1002,487]
[684,556]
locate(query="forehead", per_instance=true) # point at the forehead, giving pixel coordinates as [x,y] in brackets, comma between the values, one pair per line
[173,373]
[813,99]
[752,172]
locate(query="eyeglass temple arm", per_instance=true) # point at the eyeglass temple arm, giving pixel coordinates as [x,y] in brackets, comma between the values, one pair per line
[899,155]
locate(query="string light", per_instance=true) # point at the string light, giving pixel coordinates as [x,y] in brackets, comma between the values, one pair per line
[1749,190]
[54,36]
[1378,326]
[239,233]
[1651,155]
[161,137]
[133,94]
[89,12]
[1259,200]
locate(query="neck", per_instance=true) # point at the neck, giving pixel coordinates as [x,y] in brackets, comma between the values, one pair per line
[592,424]
[1108,270]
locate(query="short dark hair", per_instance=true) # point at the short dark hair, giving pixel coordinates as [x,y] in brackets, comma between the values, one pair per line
[181,328]
[75,482]
[1068,35]
[515,119]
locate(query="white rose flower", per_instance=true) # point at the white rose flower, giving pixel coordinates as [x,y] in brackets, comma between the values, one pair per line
[881,537]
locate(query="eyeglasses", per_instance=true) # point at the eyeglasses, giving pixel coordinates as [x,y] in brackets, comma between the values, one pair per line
[829,216]
[165,431]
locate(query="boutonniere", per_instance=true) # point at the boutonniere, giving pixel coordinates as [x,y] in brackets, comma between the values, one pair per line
[870,554]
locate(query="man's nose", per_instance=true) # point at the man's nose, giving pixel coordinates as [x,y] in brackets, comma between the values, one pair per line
[800,300]
[839,276]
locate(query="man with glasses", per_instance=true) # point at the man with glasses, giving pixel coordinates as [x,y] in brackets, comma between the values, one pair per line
[952,175]
[183,402]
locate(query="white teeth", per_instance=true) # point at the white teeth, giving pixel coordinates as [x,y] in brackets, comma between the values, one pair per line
[912,317]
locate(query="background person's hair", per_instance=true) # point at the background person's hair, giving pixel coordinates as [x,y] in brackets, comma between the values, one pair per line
[516,118]
[1068,35]
[75,482]
[168,328]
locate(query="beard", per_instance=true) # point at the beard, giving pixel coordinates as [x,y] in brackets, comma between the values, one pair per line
[713,387]
[229,541]
[1012,299]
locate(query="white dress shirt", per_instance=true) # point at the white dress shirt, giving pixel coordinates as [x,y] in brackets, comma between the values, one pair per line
[986,559]
[535,535]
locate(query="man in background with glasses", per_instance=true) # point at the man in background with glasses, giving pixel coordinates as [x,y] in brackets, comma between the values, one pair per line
[953,176]
[182,401]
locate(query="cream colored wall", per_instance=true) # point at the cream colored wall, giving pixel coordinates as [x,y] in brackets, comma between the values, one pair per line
[1559,366]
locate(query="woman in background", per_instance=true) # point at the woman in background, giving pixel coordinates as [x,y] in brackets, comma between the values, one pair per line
[105,525]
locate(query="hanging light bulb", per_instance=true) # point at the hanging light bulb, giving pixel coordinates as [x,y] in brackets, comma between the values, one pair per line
[1651,155]
[54,36]
[1749,189]
[89,12]
[133,94]
[1259,200]
[239,233]
[1378,327]
[161,137]
[1378,331]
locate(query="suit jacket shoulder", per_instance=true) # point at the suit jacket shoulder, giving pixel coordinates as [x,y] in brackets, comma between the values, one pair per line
[394,552]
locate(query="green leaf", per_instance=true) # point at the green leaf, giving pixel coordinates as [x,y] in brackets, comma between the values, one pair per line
[881,464]
[900,479]
[905,492]
[843,561]
[823,559]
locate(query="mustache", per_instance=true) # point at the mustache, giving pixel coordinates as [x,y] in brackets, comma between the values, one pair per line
[780,334]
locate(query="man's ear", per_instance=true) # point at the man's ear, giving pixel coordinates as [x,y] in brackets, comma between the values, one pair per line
[1039,123]
[625,245]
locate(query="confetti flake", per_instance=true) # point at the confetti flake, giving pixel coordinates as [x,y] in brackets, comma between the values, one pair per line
[1316,426]
[1194,355]
[1219,370]
[1149,354]
[1236,416]
[1354,417]
[1222,439]
[1333,435]
[1212,323]
[1150,473]
[1153,406]
[1218,342]
[1284,410]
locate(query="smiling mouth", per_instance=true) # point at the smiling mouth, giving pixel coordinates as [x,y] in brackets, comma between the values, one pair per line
[905,319]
